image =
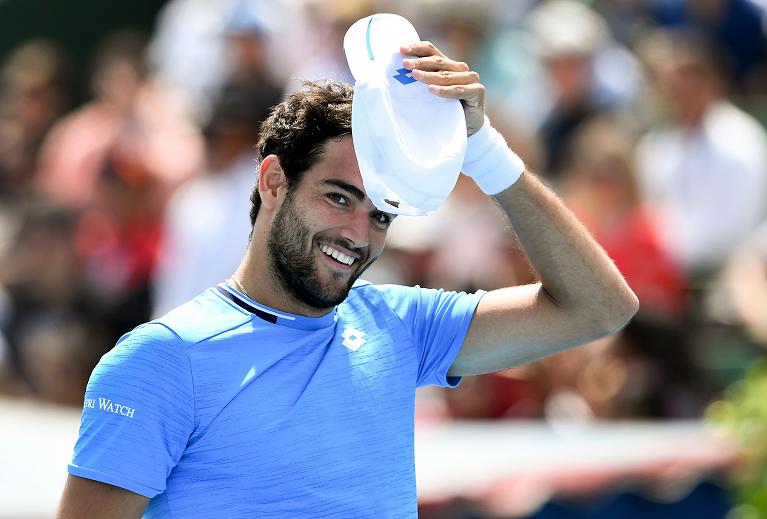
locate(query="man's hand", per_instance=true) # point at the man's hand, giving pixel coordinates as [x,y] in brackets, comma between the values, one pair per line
[449,79]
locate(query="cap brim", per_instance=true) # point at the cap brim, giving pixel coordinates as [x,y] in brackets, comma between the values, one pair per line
[410,150]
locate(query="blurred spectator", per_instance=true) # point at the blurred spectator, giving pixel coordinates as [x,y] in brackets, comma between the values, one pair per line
[504,395]
[250,81]
[34,91]
[118,241]
[187,50]
[736,26]
[190,52]
[586,383]
[645,371]
[458,27]
[704,169]
[128,110]
[586,72]
[328,21]
[41,278]
[627,19]
[57,355]
[207,222]
[115,162]
[667,378]
[41,270]
[74,152]
[600,186]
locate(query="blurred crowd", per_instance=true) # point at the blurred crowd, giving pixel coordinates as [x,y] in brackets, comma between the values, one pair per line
[646,116]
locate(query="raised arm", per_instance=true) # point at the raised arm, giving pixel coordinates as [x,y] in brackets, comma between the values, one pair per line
[581,297]
[88,499]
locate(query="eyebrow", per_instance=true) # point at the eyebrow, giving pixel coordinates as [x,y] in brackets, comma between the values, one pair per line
[354,191]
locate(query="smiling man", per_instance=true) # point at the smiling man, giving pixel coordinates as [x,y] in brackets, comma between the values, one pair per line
[289,390]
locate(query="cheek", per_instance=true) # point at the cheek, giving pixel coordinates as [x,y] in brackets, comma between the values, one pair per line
[377,243]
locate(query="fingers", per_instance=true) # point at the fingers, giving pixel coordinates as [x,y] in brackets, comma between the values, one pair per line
[429,58]
[422,48]
[435,63]
[446,77]
[472,95]
[434,68]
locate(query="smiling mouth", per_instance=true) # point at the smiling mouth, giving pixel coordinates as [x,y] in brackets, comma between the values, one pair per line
[337,255]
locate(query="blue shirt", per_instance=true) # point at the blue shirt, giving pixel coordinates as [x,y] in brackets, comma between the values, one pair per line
[228,408]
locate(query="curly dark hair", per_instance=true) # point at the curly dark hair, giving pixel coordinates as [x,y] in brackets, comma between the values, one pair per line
[298,129]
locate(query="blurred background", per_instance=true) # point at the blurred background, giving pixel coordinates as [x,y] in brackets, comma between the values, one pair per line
[127,134]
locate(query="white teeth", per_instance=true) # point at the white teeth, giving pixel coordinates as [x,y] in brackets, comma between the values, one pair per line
[337,255]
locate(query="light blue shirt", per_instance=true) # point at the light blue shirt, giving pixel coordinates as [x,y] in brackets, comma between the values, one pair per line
[228,408]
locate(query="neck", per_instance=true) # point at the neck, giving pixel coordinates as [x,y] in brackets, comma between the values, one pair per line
[260,283]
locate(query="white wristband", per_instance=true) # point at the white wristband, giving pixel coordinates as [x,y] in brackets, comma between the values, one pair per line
[490,161]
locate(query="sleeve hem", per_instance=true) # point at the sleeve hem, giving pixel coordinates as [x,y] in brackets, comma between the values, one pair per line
[102,477]
[442,378]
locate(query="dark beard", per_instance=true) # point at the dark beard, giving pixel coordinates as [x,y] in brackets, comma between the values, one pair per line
[294,267]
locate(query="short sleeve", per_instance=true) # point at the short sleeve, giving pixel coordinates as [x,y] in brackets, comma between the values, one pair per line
[138,412]
[437,321]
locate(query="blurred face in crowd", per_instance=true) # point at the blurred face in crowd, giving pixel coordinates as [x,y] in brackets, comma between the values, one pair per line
[570,76]
[118,83]
[326,232]
[689,85]
[248,52]
[610,182]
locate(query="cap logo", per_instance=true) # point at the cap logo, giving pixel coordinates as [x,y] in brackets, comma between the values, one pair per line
[403,77]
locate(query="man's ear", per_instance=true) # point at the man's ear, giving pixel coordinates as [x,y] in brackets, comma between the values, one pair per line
[271,181]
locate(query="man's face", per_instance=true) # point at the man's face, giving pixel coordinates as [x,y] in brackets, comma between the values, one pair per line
[326,232]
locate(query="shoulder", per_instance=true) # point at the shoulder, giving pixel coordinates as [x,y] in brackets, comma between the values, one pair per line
[155,357]
[142,360]
[386,295]
[406,299]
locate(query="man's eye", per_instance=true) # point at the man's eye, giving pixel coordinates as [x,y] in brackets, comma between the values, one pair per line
[383,219]
[338,198]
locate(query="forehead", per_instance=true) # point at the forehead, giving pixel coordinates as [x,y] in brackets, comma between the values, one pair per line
[337,162]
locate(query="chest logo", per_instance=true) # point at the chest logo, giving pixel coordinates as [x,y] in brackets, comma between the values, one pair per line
[353,338]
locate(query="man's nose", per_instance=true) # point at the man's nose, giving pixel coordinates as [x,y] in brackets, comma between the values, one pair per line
[357,229]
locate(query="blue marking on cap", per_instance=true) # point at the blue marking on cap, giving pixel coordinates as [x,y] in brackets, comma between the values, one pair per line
[367,40]
[402,76]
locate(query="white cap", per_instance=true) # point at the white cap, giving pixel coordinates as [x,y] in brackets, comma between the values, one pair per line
[409,143]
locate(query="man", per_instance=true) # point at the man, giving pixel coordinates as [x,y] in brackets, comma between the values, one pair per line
[289,391]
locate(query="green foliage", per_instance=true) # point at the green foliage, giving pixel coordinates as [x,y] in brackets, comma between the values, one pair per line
[742,415]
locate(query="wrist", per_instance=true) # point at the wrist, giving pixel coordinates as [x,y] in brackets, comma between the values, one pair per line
[490,162]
